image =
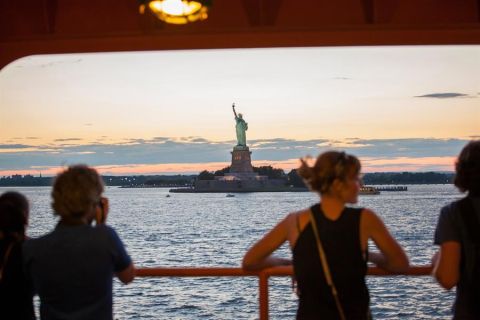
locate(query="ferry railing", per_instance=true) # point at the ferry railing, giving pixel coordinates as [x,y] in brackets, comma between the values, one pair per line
[263,276]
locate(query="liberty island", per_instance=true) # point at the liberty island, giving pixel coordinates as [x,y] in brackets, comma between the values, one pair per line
[241,176]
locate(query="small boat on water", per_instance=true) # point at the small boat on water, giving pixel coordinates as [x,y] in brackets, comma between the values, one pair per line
[229,195]
[167,196]
[368,190]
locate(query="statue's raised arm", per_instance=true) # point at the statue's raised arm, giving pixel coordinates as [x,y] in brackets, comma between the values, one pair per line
[233,107]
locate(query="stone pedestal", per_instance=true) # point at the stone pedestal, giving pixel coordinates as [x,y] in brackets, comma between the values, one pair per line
[241,178]
[241,161]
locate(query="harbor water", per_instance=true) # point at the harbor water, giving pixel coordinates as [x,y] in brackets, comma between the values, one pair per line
[200,230]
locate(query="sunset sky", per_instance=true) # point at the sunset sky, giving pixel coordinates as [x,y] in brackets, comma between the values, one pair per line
[165,112]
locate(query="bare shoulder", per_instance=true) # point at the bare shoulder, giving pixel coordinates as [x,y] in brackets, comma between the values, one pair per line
[297,222]
[302,213]
[302,217]
[295,214]
[292,217]
[295,218]
[289,220]
[370,220]
[369,216]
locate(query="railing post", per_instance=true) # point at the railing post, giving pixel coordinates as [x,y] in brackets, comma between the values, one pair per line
[263,295]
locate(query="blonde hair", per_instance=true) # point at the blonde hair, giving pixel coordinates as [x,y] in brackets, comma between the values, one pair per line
[76,191]
[329,166]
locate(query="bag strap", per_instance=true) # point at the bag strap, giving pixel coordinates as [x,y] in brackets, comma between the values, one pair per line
[326,269]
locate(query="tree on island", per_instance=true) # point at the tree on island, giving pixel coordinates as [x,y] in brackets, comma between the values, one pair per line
[269,171]
[222,172]
[295,180]
[206,175]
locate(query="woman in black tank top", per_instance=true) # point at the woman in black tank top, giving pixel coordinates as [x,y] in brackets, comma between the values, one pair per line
[343,233]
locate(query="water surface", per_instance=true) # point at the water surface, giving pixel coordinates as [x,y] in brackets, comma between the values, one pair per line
[213,230]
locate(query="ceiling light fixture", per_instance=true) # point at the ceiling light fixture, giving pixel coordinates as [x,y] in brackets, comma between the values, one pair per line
[177,11]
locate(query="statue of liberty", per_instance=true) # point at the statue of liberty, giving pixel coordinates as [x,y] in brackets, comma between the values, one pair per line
[240,127]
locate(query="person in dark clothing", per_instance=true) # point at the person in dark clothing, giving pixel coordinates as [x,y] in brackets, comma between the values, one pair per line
[457,263]
[72,267]
[332,287]
[15,290]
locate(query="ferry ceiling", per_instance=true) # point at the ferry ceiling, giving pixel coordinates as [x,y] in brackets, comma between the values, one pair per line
[78,26]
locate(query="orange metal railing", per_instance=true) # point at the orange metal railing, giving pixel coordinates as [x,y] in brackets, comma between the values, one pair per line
[262,275]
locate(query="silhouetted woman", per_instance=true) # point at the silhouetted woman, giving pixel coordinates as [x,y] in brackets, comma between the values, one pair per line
[329,243]
[15,290]
[458,234]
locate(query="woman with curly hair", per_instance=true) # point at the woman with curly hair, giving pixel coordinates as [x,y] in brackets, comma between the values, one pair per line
[458,234]
[329,242]
[72,266]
